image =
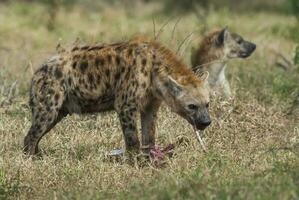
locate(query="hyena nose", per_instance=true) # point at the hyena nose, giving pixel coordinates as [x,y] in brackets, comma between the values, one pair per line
[206,123]
[253,47]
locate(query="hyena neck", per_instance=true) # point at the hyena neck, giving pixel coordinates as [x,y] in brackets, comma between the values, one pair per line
[217,73]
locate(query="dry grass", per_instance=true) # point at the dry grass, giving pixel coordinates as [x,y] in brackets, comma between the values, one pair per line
[253,150]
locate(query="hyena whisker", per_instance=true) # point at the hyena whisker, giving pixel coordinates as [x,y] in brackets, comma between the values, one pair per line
[162,28]
[188,42]
[208,63]
[183,41]
[154,26]
[174,28]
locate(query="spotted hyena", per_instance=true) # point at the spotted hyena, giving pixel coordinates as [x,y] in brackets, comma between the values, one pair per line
[213,53]
[132,77]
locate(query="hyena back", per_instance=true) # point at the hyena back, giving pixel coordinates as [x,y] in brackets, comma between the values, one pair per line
[129,77]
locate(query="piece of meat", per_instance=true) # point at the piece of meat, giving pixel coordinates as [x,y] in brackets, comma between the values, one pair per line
[158,154]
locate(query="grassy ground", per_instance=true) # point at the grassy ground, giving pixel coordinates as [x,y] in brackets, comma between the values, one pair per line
[253,145]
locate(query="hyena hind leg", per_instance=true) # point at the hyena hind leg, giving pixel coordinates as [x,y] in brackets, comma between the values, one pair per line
[47,111]
[41,125]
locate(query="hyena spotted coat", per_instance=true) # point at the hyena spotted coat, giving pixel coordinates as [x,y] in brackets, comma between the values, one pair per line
[131,77]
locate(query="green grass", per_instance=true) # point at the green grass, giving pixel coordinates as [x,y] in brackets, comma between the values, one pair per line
[253,150]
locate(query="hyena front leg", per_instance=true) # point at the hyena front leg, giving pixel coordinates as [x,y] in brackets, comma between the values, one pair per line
[128,119]
[46,105]
[148,119]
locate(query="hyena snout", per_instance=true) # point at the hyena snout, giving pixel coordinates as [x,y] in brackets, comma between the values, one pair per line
[202,120]
[248,49]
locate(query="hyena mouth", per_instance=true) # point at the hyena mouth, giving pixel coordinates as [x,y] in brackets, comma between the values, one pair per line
[244,54]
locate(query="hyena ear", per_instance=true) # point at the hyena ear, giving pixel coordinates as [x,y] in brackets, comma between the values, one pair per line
[174,88]
[204,76]
[221,36]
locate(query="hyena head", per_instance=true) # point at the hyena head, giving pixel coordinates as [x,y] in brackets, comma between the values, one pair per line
[234,45]
[188,97]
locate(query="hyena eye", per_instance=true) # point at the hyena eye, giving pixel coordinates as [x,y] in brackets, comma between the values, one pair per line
[239,40]
[192,107]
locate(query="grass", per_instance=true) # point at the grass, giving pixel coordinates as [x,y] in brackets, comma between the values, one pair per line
[253,146]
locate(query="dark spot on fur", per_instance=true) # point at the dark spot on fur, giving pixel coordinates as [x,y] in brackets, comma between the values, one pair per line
[145,73]
[122,70]
[56,97]
[134,61]
[158,63]
[98,79]
[90,56]
[109,59]
[90,78]
[74,65]
[96,48]
[39,109]
[107,72]
[81,81]
[37,127]
[131,127]
[44,68]
[127,76]
[117,59]
[75,57]
[133,109]
[159,93]
[70,81]
[99,62]
[130,52]
[62,82]
[58,73]
[117,76]
[143,62]
[107,85]
[48,108]
[42,119]
[83,66]
[50,91]
[84,47]
[75,49]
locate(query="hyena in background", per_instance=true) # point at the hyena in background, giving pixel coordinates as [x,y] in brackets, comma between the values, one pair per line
[129,77]
[213,53]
